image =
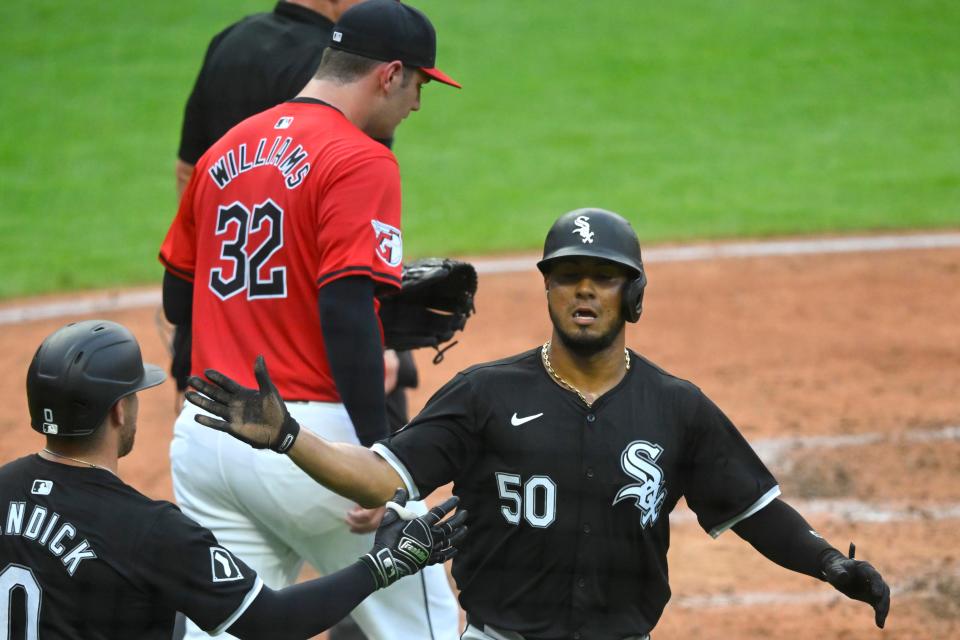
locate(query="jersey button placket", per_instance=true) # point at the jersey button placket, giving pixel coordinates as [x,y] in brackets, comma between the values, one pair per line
[591,418]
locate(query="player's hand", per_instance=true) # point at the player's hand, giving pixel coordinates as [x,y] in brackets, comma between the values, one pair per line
[405,544]
[362,520]
[255,416]
[858,580]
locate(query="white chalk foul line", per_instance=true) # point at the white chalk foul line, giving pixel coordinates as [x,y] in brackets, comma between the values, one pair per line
[918,585]
[775,451]
[79,306]
[716,251]
[76,306]
[850,510]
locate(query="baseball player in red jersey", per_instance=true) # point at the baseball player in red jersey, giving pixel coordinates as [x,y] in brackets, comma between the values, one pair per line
[286,233]
[266,252]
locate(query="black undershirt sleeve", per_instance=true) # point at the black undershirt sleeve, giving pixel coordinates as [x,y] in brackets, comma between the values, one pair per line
[351,334]
[784,537]
[178,308]
[177,299]
[304,610]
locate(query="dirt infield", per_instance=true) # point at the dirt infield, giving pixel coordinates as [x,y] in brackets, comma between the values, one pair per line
[844,370]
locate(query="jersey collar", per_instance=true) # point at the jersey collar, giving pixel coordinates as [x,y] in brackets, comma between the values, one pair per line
[602,400]
[305,100]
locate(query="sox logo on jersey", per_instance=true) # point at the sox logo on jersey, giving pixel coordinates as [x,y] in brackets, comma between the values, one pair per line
[638,461]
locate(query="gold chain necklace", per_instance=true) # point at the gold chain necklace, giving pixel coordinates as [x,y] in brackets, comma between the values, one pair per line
[545,356]
[89,464]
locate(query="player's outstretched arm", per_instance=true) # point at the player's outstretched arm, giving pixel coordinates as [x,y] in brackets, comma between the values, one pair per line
[403,545]
[781,534]
[260,418]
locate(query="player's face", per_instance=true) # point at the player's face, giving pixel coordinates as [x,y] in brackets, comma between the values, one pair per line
[583,297]
[402,98]
[128,430]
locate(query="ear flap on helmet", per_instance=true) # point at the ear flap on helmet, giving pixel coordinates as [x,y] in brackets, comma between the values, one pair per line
[633,297]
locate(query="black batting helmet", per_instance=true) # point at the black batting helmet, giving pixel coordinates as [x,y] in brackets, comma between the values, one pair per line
[80,371]
[601,234]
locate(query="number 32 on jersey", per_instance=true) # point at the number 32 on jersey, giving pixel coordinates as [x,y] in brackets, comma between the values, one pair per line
[249,238]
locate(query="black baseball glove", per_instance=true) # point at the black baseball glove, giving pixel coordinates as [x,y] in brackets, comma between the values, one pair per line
[405,544]
[858,580]
[434,302]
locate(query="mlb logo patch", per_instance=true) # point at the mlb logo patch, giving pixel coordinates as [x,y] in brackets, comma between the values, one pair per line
[223,568]
[41,487]
[49,426]
[283,123]
[337,36]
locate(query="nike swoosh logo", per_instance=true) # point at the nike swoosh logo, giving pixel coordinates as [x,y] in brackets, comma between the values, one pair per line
[515,421]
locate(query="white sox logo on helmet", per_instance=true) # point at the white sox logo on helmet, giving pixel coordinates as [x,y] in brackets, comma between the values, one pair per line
[638,461]
[583,228]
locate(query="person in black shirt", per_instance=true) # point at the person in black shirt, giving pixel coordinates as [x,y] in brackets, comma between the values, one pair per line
[252,65]
[570,457]
[84,555]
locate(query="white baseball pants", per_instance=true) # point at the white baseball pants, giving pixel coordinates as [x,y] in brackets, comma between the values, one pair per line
[271,514]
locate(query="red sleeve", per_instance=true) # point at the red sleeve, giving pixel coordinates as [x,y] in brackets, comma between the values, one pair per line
[359,224]
[178,253]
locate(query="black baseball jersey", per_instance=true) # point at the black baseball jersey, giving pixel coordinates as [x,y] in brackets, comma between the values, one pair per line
[83,555]
[249,67]
[569,504]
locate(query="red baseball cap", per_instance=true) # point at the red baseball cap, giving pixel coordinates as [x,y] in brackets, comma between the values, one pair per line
[390,30]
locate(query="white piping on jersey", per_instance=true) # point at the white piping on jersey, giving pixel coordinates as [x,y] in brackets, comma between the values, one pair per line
[247,601]
[399,467]
[400,510]
[764,500]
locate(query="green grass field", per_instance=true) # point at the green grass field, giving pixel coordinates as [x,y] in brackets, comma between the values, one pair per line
[695,119]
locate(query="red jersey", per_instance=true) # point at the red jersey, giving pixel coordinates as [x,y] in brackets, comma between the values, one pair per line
[287,201]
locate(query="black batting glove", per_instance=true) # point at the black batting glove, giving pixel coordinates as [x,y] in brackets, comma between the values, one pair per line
[255,416]
[858,580]
[405,544]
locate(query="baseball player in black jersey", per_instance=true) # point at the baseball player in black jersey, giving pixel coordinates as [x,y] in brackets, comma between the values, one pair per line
[570,458]
[84,555]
